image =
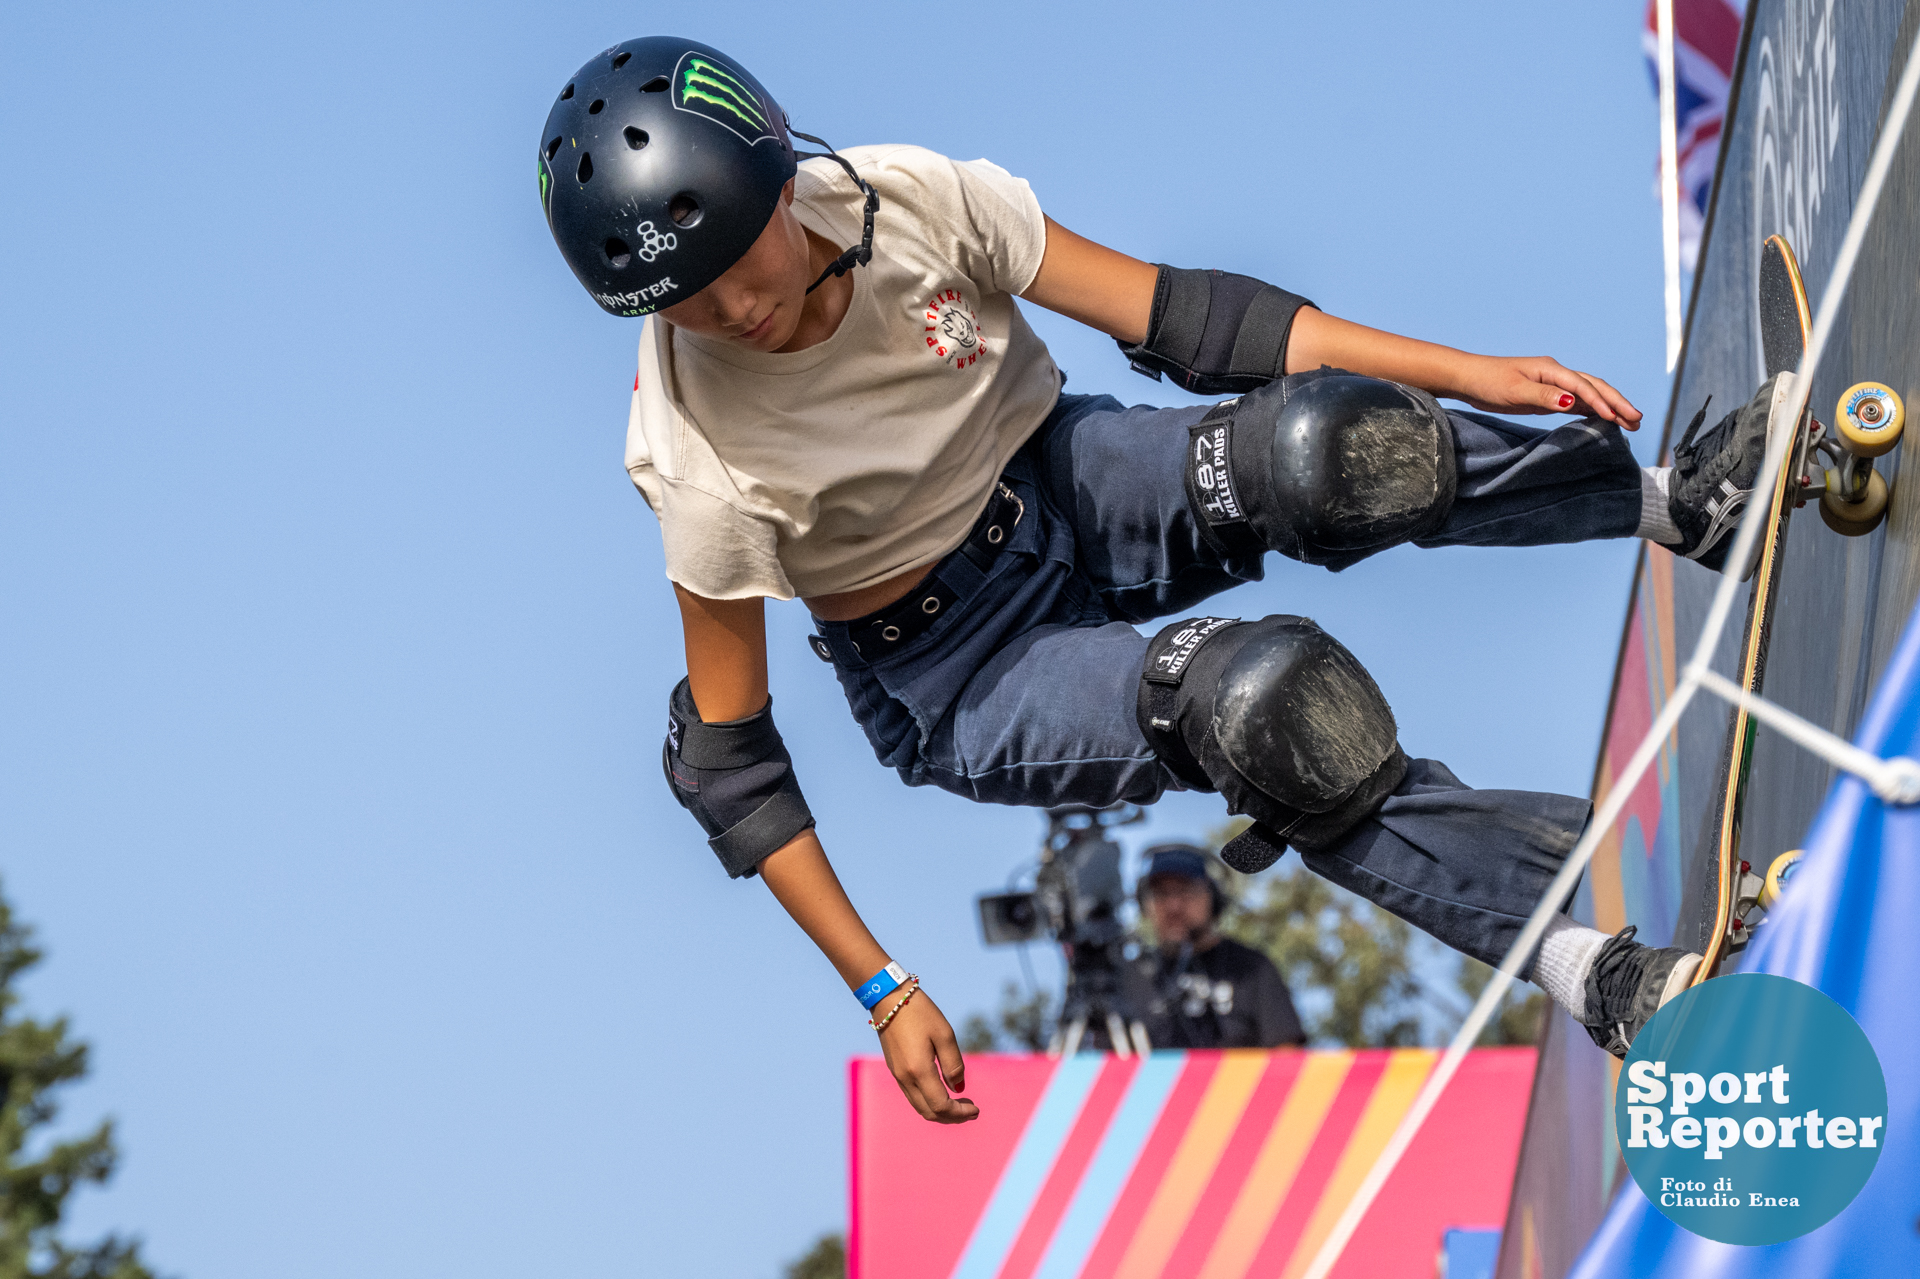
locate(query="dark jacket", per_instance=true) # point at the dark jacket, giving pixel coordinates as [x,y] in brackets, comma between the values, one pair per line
[1227,996]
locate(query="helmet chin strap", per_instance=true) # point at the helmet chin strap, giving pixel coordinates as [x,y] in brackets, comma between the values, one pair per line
[862,253]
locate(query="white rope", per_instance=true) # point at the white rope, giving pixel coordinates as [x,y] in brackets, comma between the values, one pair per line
[1669,177]
[1897,781]
[1692,678]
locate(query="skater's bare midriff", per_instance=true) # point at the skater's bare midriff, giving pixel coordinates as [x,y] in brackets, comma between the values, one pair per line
[845,606]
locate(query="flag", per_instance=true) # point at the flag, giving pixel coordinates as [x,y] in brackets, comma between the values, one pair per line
[1706,36]
[1846,927]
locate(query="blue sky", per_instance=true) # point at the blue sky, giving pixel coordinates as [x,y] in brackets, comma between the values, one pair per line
[336,643]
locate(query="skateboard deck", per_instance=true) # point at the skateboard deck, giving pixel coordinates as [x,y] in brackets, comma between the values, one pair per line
[1785,324]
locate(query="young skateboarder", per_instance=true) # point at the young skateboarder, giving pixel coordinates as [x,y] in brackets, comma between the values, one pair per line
[838,400]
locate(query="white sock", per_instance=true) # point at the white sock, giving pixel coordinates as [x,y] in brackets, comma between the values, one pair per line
[1656,520]
[1566,954]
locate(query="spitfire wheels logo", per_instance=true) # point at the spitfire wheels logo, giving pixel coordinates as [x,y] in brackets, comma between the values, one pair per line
[708,87]
[952,330]
[652,243]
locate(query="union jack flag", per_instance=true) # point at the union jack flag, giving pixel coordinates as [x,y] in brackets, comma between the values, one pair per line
[1706,36]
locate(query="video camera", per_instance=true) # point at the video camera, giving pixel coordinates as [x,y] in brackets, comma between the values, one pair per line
[1076,898]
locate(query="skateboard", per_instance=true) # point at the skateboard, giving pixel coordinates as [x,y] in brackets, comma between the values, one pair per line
[1869,419]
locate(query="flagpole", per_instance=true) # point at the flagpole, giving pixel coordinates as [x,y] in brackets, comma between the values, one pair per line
[1669,178]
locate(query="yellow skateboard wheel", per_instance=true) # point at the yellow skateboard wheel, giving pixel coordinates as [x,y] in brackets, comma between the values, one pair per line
[1870,418]
[1777,876]
[1854,519]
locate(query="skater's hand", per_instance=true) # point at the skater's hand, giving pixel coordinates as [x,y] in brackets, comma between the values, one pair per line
[1540,384]
[919,1045]
[924,1057]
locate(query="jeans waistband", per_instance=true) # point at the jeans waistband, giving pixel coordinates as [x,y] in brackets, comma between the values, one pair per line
[890,629]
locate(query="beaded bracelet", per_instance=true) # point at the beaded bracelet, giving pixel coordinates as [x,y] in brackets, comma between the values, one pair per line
[913,988]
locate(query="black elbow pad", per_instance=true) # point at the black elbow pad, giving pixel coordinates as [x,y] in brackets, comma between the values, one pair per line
[1216,333]
[736,779]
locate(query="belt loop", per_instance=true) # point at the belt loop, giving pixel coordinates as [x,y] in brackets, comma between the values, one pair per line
[963,572]
[834,643]
[992,533]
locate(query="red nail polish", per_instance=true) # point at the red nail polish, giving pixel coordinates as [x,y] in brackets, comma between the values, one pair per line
[1566,401]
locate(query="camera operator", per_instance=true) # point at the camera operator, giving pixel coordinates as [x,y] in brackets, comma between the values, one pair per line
[1199,989]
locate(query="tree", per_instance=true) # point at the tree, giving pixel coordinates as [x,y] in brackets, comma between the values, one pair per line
[1521,1017]
[1022,1023]
[1343,949]
[37,1058]
[1357,959]
[827,1259]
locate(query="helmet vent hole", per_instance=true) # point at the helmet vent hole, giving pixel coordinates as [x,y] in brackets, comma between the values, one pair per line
[620,60]
[553,148]
[618,253]
[636,138]
[566,93]
[684,210]
[585,171]
[598,103]
[659,84]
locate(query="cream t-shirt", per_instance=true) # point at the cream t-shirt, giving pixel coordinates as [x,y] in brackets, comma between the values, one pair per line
[873,452]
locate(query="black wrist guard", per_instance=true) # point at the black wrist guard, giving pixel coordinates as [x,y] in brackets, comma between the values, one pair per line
[1217,333]
[736,779]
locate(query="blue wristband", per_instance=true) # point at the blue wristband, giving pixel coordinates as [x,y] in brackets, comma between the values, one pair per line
[880,985]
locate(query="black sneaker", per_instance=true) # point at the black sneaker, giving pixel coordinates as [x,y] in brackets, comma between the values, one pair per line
[1628,984]
[1713,477]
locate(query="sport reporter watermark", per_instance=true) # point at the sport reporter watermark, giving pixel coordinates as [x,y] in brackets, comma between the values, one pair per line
[1751,1109]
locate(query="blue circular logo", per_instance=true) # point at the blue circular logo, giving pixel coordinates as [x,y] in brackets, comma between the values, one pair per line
[1751,1109]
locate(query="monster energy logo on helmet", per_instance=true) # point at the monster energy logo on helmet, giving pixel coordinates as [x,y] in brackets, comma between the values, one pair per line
[710,88]
[627,174]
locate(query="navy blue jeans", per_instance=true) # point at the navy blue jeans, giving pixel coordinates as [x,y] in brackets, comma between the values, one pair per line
[1023,691]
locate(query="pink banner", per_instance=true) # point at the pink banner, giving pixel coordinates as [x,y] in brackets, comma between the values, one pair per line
[1200,1165]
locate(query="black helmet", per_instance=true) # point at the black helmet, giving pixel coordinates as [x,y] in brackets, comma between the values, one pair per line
[660,165]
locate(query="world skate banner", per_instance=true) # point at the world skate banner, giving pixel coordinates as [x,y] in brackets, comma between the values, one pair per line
[1195,1165]
[1570,1161]
[1635,876]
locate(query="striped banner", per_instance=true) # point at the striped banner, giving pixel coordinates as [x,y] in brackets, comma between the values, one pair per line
[1200,1165]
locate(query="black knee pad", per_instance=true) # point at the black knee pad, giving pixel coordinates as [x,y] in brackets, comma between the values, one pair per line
[1324,467]
[1279,718]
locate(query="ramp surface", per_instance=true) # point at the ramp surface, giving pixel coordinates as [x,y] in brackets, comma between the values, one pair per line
[1807,108]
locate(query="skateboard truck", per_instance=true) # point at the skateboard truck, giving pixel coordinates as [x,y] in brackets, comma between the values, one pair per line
[1755,894]
[1747,888]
